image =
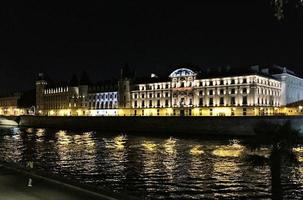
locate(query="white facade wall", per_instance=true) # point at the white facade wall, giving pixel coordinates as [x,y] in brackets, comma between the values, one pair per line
[102,100]
[292,88]
[185,90]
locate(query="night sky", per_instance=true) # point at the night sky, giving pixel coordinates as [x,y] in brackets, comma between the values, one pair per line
[62,39]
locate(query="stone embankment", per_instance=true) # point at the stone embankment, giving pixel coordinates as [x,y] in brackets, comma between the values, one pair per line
[199,126]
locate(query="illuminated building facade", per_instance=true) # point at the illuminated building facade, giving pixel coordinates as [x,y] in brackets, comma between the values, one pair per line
[9,105]
[77,99]
[182,93]
[185,93]
[15,105]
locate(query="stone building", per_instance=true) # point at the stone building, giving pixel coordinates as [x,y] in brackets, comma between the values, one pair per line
[78,98]
[184,92]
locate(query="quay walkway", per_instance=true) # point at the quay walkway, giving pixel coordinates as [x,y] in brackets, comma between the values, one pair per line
[13,186]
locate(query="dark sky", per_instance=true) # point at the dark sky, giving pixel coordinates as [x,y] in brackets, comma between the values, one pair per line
[66,38]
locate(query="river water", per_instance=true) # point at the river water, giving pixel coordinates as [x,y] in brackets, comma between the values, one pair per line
[152,167]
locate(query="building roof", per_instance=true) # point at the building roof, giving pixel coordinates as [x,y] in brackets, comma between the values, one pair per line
[206,73]
[104,86]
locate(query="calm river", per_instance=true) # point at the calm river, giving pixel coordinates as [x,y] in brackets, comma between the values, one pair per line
[152,167]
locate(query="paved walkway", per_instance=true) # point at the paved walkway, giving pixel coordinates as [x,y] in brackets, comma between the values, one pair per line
[13,186]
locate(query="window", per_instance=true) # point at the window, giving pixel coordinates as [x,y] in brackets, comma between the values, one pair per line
[221,100]
[211,101]
[201,101]
[244,111]
[190,102]
[142,96]
[244,90]
[142,104]
[166,103]
[166,94]
[135,104]
[244,100]
[233,100]
[158,95]
[233,91]
[150,95]
[189,112]
[221,91]
[200,92]
[211,92]
[221,82]
[182,84]
[211,83]
[232,81]
[244,80]
[158,103]
[150,103]
[135,96]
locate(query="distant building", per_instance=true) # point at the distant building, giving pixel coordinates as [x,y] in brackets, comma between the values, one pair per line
[79,98]
[184,92]
[18,104]
[292,85]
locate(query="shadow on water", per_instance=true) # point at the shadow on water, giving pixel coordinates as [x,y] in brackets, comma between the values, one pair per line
[281,139]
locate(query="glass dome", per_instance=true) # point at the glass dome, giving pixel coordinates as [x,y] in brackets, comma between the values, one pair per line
[182,72]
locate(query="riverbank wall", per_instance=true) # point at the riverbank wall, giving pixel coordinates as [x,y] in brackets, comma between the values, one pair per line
[199,126]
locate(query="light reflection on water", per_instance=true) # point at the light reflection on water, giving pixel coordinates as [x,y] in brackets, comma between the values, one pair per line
[151,167]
